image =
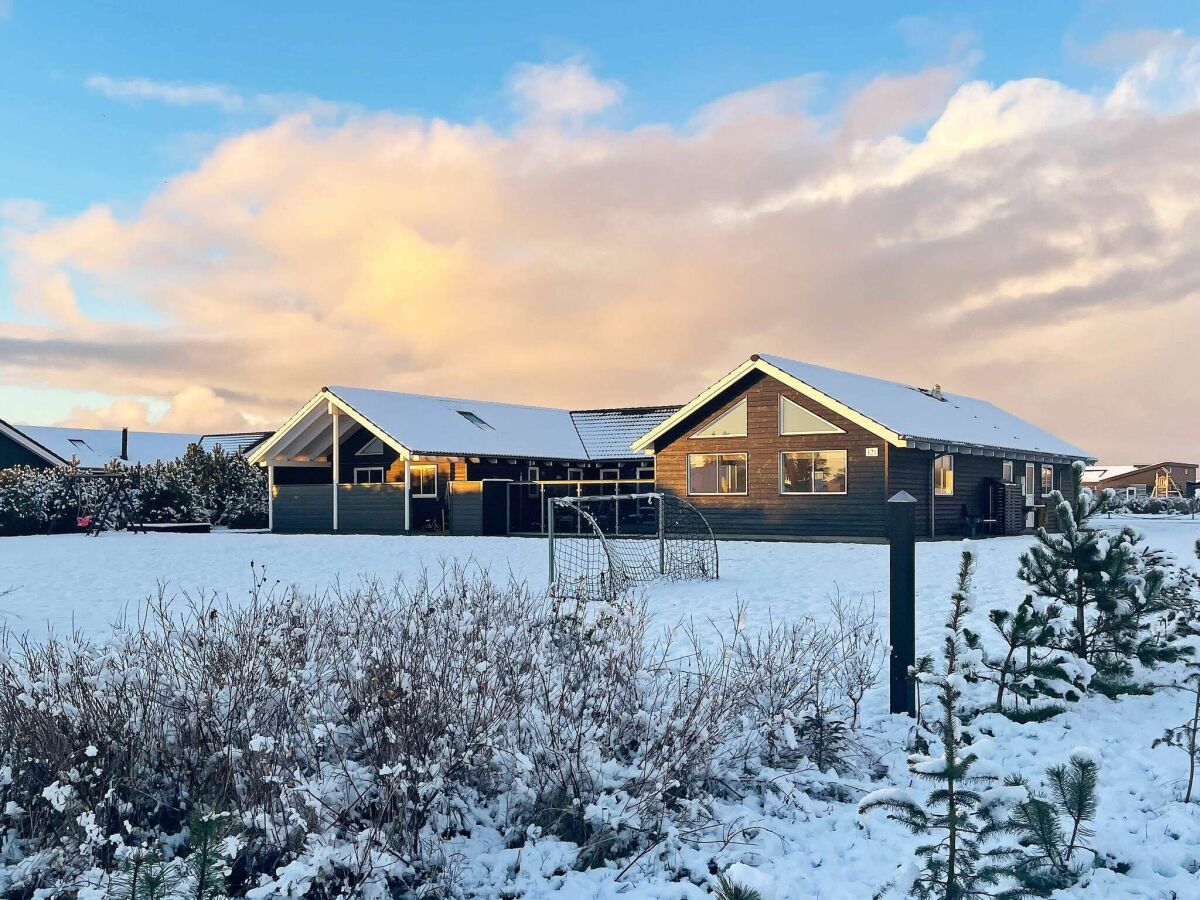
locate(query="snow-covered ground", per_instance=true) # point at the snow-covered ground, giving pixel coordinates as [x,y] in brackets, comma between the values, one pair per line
[810,850]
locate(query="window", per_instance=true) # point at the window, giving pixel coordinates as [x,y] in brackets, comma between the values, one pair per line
[716,473]
[533,474]
[424,480]
[645,473]
[812,472]
[1008,471]
[731,423]
[1027,482]
[610,474]
[795,419]
[574,474]
[1047,479]
[368,475]
[373,447]
[475,420]
[943,475]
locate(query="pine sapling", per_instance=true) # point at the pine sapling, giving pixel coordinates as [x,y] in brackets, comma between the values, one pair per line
[1030,667]
[1186,737]
[1054,828]
[966,856]
[206,864]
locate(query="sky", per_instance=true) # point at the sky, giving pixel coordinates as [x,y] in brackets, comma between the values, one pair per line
[209,211]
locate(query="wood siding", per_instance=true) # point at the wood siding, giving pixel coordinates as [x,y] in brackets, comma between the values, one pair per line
[303,508]
[764,512]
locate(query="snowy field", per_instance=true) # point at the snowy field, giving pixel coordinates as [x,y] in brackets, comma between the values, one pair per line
[808,850]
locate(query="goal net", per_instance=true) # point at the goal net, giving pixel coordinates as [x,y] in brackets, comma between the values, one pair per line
[602,545]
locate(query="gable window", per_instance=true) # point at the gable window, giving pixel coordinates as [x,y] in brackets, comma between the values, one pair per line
[812,472]
[943,475]
[795,419]
[373,447]
[716,473]
[424,480]
[1047,479]
[1008,471]
[731,423]
[368,475]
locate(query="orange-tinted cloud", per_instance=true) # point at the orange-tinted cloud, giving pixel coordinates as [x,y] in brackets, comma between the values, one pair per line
[1037,246]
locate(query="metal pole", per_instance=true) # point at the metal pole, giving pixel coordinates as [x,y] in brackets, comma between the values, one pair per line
[407,494]
[336,464]
[662,536]
[902,606]
[550,535]
[270,498]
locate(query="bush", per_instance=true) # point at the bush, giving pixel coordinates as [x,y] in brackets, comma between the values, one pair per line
[348,739]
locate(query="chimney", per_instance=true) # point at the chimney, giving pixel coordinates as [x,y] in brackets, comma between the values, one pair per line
[125,444]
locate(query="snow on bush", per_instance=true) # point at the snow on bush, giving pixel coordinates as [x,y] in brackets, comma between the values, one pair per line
[218,487]
[349,739]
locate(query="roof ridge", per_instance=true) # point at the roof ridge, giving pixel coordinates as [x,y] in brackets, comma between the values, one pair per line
[334,388]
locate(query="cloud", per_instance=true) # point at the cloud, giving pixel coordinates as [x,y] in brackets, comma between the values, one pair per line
[1036,245]
[221,96]
[562,91]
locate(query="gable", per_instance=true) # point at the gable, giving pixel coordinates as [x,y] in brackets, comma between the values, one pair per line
[730,423]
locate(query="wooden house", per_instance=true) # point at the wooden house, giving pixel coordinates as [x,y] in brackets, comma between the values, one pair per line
[1162,479]
[88,448]
[784,449]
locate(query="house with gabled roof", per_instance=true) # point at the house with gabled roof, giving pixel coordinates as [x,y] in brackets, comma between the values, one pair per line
[775,449]
[779,448]
[87,448]
[362,460]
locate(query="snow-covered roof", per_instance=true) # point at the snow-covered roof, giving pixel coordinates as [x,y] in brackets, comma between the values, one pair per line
[899,413]
[454,426]
[607,433]
[97,447]
[1094,474]
[234,442]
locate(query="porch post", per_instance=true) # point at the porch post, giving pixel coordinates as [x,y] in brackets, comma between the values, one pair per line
[407,494]
[270,498]
[336,464]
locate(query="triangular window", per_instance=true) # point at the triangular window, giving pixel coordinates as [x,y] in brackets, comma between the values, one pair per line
[731,423]
[795,419]
[373,447]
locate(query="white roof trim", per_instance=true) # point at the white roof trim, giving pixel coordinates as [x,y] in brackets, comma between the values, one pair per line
[31,445]
[778,374]
[263,454]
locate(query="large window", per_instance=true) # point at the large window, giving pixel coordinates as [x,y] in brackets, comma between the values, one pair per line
[795,419]
[731,423]
[943,476]
[424,480]
[812,472]
[368,475]
[716,473]
[1047,479]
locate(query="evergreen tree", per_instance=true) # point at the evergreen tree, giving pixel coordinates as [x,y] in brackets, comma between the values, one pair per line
[1049,862]
[966,818]
[1030,668]
[1111,585]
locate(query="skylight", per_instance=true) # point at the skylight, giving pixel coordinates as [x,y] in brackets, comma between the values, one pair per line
[474,419]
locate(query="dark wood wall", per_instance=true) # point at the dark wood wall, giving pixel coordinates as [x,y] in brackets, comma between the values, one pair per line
[14,454]
[763,511]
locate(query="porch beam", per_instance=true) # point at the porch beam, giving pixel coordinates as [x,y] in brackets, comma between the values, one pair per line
[270,497]
[335,469]
[407,494]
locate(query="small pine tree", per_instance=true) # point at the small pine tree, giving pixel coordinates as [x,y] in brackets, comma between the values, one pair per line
[967,856]
[1030,668]
[1049,862]
[1186,737]
[145,875]
[1111,585]
[206,865]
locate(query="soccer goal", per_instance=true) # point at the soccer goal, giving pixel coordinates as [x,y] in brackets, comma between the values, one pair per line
[602,545]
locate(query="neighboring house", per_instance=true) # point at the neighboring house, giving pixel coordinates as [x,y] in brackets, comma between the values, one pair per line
[1161,479]
[780,449]
[775,449]
[410,462]
[88,448]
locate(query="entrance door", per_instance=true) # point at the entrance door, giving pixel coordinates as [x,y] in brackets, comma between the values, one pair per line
[1028,488]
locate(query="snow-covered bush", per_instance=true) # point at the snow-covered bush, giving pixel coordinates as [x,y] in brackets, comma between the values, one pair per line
[233,491]
[36,501]
[347,740]
[1175,506]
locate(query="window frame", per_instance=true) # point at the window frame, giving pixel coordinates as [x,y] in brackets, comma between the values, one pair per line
[380,469]
[1008,471]
[784,401]
[373,447]
[1042,479]
[845,490]
[412,469]
[744,403]
[578,473]
[688,464]
[938,491]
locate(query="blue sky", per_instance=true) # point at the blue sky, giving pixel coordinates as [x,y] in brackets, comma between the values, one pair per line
[67,146]
[190,190]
